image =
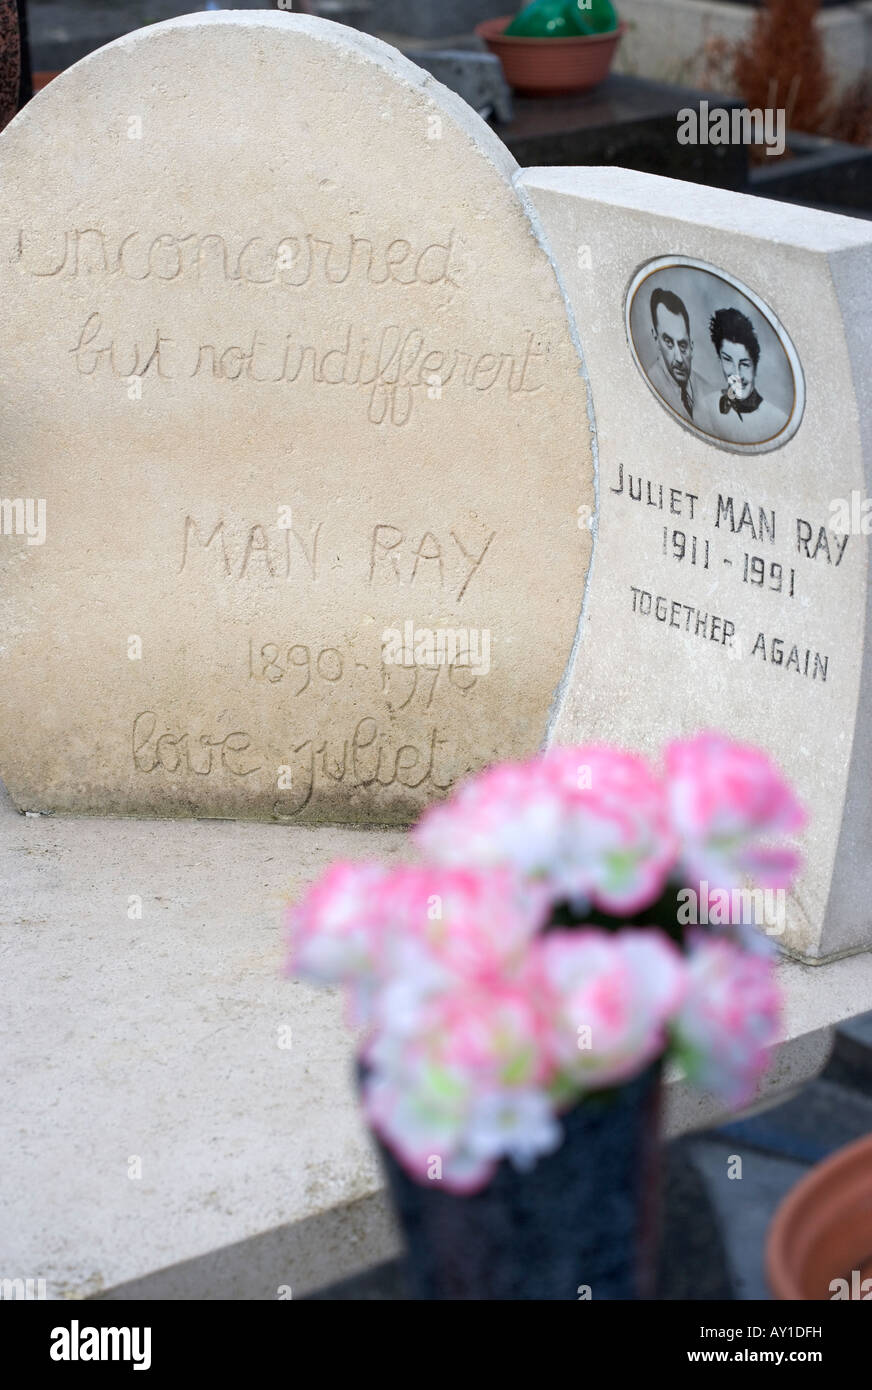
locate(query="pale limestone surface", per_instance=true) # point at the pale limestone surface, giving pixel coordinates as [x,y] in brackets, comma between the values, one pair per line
[639,681]
[174,280]
[158,1038]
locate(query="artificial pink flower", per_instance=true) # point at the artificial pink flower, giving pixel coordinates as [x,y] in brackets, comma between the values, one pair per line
[729,1019]
[473,923]
[610,999]
[514,1123]
[494,1033]
[421,1114]
[461,1087]
[589,823]
[357,915]
[395,937]
[491,1032]
[334,933]
[727,803]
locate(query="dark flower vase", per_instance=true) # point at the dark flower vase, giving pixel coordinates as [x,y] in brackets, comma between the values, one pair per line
[585,1218]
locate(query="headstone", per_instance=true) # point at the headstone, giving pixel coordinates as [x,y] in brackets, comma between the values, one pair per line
[427,19]
[727,342]
[476,77]
[294,435]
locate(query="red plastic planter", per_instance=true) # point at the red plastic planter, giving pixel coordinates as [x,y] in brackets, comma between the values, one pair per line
[551,67]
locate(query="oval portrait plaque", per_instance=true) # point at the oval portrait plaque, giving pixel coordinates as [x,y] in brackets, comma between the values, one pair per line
[714,355]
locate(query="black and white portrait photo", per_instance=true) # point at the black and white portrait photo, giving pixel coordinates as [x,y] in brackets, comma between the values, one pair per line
[714,355]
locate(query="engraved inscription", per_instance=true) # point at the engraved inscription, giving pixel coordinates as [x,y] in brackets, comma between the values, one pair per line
[391,555]
[258,550]
[774,579]
[180,752]
[297,667]
[288,261]
[392,363]
[439,560]
[369,759]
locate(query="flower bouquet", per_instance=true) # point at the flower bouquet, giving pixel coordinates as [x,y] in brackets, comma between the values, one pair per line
[575,922]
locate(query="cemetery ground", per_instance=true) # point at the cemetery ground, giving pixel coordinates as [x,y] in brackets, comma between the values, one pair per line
[184,1117]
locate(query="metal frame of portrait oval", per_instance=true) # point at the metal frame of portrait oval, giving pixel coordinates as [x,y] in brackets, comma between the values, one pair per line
[795,416]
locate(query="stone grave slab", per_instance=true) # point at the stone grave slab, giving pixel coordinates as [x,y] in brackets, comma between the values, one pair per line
[256,1174]
[727,341]
[293,429]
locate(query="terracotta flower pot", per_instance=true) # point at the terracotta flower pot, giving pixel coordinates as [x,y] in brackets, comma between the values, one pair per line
[822,1231]
[42,79]
[551,67]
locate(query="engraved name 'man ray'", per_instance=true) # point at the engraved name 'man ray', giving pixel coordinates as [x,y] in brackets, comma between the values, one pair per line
[256,550]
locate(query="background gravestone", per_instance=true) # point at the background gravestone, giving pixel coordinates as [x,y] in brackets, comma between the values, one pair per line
[424,19]
[286,375]
[725,593]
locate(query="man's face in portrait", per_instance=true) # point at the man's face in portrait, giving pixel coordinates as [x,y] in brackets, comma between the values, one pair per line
[739,370]
[672,337]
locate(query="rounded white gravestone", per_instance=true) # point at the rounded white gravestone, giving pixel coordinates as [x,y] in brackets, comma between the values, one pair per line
[295,442]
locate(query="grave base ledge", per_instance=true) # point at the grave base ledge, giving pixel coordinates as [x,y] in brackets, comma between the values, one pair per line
[159,1038]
